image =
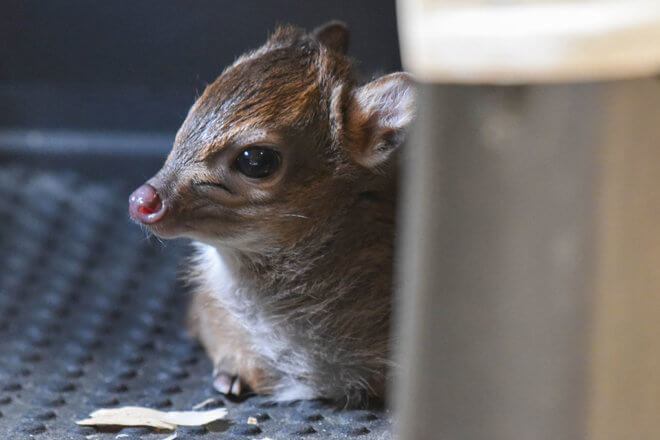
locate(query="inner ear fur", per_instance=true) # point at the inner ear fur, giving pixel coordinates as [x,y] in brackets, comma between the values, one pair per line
[378,115]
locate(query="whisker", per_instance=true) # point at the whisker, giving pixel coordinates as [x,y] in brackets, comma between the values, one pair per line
[151,237]
[294,215]
[146,232]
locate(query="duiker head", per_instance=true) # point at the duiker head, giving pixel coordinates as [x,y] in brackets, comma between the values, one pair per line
[279,143]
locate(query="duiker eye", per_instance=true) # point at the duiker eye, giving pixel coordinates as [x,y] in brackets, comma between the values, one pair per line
[258,162]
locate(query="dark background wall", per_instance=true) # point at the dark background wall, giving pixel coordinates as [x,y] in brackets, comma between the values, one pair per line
[138,65]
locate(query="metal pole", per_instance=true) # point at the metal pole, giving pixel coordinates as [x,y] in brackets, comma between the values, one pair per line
[498,215]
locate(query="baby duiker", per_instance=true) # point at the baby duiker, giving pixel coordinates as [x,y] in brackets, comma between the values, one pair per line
[284,174]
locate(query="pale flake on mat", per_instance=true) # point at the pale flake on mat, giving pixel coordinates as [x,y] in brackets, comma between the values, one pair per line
[201,405]
[139,416]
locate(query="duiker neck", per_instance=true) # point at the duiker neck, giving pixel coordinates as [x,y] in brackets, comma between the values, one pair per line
[332,249]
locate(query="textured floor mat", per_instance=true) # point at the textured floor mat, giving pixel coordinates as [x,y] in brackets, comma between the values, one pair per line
[90,317]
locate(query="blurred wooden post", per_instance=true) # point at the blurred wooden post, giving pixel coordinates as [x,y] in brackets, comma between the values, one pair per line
[625,361]
[529,305]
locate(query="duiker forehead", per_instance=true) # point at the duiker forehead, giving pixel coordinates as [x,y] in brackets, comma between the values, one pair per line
[273,90]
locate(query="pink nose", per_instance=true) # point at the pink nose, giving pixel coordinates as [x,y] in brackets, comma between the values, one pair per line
[145,205]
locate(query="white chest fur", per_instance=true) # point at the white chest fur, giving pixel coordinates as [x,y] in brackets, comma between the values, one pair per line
[270,332]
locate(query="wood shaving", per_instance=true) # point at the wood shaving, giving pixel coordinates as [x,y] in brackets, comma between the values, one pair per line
[252,421]
[139,416]
[201,405]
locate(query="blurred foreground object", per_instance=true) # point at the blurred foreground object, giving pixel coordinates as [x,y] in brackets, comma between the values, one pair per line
[531,222]
[529,40]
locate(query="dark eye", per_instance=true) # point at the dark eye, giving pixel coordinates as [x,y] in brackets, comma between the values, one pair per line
[258,162]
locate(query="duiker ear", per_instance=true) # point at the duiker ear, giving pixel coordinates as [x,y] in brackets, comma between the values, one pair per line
[333,35]
[378,116]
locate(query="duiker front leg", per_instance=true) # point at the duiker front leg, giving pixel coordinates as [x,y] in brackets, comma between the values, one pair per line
[235,364]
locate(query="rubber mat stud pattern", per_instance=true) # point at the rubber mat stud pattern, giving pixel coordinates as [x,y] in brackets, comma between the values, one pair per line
[91,316]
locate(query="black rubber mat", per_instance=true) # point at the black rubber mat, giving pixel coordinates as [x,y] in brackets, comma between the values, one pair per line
[91,316]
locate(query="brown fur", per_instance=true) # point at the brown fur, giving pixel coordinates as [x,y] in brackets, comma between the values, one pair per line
[294,275]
